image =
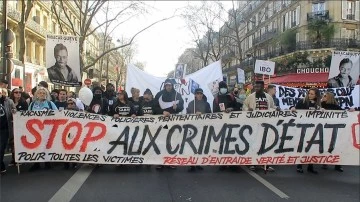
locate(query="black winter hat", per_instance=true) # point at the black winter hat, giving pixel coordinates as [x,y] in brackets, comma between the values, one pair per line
[222,84]
[147,91]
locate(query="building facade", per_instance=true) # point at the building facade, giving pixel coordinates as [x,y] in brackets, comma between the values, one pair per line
[41,22]
[281,29]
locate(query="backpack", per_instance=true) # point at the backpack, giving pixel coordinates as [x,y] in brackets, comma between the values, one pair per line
[32,105]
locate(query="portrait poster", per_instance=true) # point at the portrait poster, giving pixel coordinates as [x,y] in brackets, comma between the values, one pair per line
[180,71]
[63,60]
[344,69]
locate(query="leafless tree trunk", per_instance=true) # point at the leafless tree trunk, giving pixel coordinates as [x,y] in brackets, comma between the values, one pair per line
[26,8]
[88,10]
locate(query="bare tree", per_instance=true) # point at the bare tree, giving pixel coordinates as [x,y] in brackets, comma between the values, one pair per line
[126,55]
[26,8]
[201,21]
[88,9]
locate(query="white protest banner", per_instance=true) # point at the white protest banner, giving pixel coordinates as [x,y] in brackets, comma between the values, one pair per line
[264,67]
[237,138]
[204,78]
[63,60]
[346,97]
[344,69]
[241,75]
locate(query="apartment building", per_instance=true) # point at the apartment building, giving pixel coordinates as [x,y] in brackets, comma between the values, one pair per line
[42,21]
[267,23]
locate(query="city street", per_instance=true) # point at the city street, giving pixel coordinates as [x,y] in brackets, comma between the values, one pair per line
[130,183]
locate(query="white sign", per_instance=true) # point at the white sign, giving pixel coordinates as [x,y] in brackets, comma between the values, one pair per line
[241,75]
[264,67]
[180,71]
[63,60]
[204,78]
[238,138]
[346,97]
[344,69]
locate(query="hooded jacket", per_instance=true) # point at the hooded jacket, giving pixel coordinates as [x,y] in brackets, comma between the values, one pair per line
[164,100]
[200,106]
[98,106]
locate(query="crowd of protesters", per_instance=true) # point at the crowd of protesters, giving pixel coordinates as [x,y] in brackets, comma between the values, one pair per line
[165,102]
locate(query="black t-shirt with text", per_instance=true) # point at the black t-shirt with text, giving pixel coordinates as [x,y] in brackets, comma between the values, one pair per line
[261,101]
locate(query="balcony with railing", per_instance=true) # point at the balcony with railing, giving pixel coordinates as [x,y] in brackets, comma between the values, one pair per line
[337,43]
[318,15]
[266,36]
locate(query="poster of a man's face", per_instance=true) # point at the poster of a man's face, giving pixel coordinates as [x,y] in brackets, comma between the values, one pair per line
[180,71]
[63,67]
[344,69]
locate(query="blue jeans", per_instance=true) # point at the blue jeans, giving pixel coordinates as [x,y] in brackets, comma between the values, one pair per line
[4,136]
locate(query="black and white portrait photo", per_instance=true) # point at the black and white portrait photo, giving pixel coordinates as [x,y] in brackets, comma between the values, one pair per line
[344,69]
[62,60]
[180,71]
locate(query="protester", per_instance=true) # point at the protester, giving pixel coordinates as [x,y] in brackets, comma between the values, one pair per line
[41,101]
[148,104]
[24,94]
[259,100]
[7,108]
[198,106]
[61,103]
[122,106]
[235,94]
[71,106]
[110,94]
[136,100]
[310,102]
[98,105]
[328,102]
[4,84]
[224,101]
[168,102]
[271,90]
[55,95]
[20,105]
[79,103]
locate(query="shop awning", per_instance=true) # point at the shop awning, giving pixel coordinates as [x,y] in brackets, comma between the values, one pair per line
[301,78]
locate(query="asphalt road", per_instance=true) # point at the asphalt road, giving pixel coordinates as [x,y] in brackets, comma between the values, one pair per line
[129,183]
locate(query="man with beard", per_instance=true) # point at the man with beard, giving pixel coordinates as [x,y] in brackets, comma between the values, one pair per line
[98,105]
[147,105]
[168,102]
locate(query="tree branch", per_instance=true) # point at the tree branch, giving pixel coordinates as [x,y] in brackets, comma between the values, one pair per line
[129,43]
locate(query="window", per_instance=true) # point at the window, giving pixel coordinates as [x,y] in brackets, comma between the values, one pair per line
[45,22]
[318,7]
[17,73]
[350,10]
[350,13]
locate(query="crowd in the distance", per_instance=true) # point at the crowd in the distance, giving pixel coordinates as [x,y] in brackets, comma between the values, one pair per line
[165,102]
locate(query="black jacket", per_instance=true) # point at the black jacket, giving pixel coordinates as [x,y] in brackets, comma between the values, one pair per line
[98,106]
[147,108]
[330,106]
[122,109]
[228,100]
[22,105]
[303,105]
[200,106]
[163,98]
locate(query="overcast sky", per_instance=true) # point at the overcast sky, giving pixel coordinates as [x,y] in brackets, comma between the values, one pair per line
[160,46]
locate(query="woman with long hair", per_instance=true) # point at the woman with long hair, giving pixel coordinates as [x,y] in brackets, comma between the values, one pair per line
[328,102]
[20,104]
[310,102]
[136,100]
[41,101]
